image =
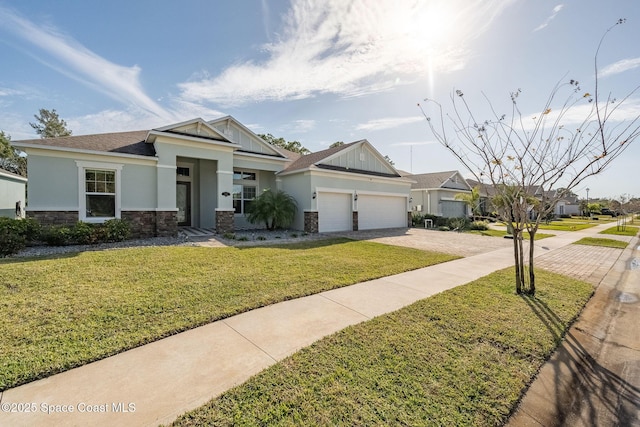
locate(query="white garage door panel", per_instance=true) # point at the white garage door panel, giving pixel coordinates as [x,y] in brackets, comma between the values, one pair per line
[453,209]
[334,212]
[381,212]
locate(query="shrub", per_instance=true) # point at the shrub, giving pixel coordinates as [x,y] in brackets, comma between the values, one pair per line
[443,228]
[83,233]
[458,224]
[57,235]
[261,238]
[276,209]
[229,236]
[417,219]
[117,230]
[479,225]
[12,239]
[30,229]
[294,235]
[243,238]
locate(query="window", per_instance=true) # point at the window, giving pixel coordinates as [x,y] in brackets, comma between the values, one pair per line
[99,191]
[244,191]
[100,188]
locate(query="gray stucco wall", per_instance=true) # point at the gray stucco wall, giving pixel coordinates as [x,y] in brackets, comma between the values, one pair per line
[53,183]
[138,187]
[208,193]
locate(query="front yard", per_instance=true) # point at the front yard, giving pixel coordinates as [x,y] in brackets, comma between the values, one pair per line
[452,359]
[60,312]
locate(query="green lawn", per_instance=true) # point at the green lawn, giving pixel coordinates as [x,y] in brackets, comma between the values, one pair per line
[462,357]
[566,225]
[502,233]
[595,241]
[60,312]
[618,231]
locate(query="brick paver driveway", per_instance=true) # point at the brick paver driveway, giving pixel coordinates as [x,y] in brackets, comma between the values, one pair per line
[451,242]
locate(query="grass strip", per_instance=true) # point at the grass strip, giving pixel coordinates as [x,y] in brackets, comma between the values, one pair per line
[566,226]
[621,231]
[502,233]
[64,311]
[462,357]
[596,241]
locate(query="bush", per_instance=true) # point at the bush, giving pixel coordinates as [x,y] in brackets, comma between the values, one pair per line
[243,239]
[261,238]
[12,238]
[443,228]
[30,229]
[117,230]
[229,236]
[479,225]
[84,233]
[57,235]
[458,224]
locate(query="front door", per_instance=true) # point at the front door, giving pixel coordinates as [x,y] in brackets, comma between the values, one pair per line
[183,203]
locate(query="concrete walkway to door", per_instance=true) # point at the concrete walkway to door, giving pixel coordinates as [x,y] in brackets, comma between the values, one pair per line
[157,382]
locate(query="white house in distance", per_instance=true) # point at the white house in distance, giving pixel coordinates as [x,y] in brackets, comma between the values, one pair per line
[206,174]
[12,194]
[434,194]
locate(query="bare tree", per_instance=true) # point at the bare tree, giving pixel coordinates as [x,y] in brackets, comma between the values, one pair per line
[534,163]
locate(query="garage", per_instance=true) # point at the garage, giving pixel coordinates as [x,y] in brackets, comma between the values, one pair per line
[454,209]
[334,212]
[375,211]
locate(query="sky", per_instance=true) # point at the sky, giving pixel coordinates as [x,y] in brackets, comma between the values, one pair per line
[314,71]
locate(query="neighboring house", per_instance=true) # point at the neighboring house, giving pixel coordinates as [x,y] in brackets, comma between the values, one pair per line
[207,174]
[12,194]
[435,194]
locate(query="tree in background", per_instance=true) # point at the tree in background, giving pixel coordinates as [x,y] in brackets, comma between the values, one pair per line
[336,144]
[276,209]
[527,159]
[294,146]
[10,158]
[50,125]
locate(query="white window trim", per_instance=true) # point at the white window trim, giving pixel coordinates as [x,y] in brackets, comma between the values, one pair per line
[248,183]
[82,200]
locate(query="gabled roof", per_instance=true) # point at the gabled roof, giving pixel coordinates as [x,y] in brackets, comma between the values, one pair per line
[323,160]
[118,142]
[194,128]
[250,142]
[434,179]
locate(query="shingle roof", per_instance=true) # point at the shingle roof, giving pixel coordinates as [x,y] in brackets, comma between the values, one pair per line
[431,180]
[118,142]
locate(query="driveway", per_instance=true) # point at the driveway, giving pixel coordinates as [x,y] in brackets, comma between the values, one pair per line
[451,242]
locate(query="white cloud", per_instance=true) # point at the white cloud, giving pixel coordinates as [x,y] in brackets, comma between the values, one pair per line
[76,61]
[620,67]
[388,123]
[412,143]
[351,48]
[299,126]
[555,12]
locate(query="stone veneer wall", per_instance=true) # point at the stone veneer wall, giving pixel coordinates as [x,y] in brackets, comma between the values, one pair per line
[142,223]
[54,217]
[355,221]
[166,223]
[224,222]
[311,222]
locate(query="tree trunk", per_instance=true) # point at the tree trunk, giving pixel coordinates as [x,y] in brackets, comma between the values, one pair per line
[517,263]
[521,261]
[532,275]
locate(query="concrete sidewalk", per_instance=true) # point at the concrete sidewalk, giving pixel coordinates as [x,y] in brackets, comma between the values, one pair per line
[157,382]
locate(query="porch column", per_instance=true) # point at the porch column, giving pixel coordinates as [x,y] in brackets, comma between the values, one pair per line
[225,211]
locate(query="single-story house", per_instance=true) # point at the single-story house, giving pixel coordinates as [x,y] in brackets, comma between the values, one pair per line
[12,194]
[435,194]
[207,174]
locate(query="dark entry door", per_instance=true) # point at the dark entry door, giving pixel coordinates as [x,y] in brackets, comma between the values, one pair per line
[183,203]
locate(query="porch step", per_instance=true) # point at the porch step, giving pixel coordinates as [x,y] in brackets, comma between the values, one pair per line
[197,231]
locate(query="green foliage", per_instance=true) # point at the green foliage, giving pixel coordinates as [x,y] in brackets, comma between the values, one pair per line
[243,239]
[117,230]
[621,231]
[57,235]
[49,124]
[261,238]
[472,200]
[10,158]
[12,239]
[276,209]
[84,233]
[459,224]
[479,225]
[294,146]
[607,243]
[337,144]
[230,236]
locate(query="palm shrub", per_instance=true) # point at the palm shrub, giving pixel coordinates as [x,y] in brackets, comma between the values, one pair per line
[276,209]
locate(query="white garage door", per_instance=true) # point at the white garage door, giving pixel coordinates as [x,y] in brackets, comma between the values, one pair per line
[453,209]
[381,212]
[334,212]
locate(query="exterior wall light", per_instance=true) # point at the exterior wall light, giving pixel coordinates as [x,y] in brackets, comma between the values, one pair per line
[226,193]
[314,195]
